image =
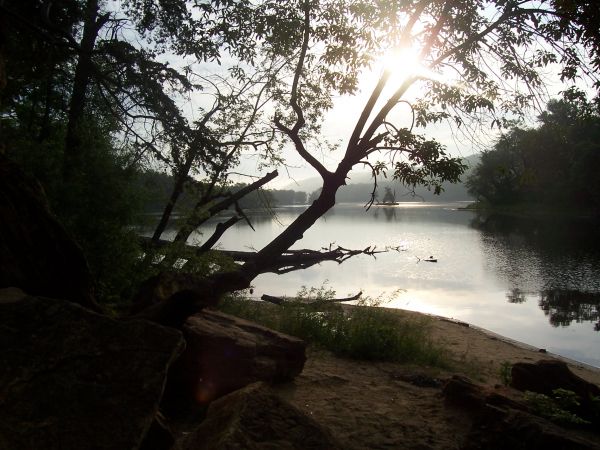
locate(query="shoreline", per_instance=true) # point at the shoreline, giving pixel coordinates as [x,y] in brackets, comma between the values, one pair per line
[493,349]
[542,352]
[369,404]
[488,347]
[507,340]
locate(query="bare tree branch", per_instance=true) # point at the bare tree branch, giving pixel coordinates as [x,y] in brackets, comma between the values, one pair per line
[195,220]
[292,133]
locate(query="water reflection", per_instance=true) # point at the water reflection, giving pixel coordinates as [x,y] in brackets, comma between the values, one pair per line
[516,295]
[500,273]
[555,259]
[565,307]
[388,212]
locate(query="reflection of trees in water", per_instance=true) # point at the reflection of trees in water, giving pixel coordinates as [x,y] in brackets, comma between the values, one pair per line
[389,213]
[540,253]
[563,307]
[547,233]
[516,295]
[557,257]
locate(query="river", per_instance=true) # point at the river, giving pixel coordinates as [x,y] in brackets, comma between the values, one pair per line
[533,280]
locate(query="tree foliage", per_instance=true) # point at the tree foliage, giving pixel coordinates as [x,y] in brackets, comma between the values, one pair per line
[554,164]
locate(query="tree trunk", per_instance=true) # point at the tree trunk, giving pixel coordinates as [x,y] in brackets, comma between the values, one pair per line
[73,155]
[170,297]
[177,190]
[298,227]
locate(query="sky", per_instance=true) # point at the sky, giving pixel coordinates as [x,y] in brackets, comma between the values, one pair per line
[339,123]
[340,120]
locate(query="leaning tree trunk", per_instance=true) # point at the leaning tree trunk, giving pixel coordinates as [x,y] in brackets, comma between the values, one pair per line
[171,297]
[295,231]
[194,221]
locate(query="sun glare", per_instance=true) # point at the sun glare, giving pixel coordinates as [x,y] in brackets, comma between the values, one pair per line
[406,62]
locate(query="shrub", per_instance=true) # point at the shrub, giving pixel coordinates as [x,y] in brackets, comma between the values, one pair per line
[559,407]
[363,332]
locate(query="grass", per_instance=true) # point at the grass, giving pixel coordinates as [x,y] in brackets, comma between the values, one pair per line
[506,373]
[361,332]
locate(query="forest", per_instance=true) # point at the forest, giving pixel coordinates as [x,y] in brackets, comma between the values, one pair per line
[553,165]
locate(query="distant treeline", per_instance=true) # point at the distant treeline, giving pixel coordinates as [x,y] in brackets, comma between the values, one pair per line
[555,165]
[157,187]
[361,193]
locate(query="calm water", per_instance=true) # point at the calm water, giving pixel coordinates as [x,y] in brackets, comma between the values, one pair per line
[536,281]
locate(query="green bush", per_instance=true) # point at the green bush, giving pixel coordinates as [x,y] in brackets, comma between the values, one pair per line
[362,332]
[559,407]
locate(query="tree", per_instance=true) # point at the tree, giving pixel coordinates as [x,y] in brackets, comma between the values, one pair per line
[495,49]
[389,196]
[501,176]
[119,90]
[553,165]
[478,61]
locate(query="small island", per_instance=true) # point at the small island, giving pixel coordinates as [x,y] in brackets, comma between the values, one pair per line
[389,199]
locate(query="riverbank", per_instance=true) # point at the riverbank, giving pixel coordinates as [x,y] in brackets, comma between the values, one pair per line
[393,405]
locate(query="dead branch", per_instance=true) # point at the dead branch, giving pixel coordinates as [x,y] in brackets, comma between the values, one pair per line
[195,221]
[219,230]
[279,300]
[288,261]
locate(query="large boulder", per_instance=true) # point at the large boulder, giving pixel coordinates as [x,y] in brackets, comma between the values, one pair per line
[225,353]
[74,379]
[546,376]
[36,253]
[253,418]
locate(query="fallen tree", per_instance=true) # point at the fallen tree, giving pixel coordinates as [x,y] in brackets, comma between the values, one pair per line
[287,261]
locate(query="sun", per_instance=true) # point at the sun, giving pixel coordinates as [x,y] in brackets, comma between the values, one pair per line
[406,62]
[402,61]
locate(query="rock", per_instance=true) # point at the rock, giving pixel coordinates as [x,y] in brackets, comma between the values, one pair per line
[461,392]
[500,422]
[548,375]
[74,379]
[36,253]
[225,353]
[253,418]
[520,430]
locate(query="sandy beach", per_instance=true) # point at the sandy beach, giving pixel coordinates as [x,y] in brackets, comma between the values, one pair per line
[384,405]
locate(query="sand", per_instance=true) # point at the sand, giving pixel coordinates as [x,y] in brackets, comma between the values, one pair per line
[372,405]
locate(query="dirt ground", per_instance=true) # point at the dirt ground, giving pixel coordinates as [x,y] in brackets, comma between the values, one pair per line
[378,405]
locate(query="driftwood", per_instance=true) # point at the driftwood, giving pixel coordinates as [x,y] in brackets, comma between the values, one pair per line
[280,300]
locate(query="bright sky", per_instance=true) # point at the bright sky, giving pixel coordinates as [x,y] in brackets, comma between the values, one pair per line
[339,122]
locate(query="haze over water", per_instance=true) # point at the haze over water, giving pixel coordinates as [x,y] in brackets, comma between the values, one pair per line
[533,280]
